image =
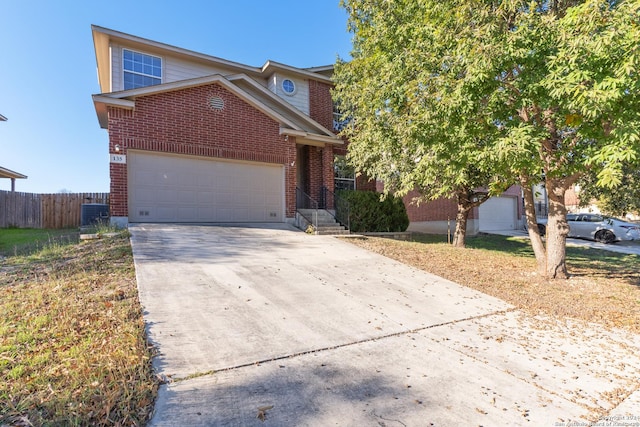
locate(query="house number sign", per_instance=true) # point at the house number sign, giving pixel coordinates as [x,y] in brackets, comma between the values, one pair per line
[119,158]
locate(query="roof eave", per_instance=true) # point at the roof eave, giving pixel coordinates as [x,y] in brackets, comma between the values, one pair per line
[101,41]
[126,98]
[271,67]
[8,173]
[101,102]
[285,104]
[308,138]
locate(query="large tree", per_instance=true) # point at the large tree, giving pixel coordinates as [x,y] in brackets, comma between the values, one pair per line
[530,91]
[393,137]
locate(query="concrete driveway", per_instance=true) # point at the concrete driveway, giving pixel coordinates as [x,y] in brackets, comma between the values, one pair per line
[268,326]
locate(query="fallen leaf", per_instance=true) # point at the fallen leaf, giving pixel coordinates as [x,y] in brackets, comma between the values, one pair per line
[262,412]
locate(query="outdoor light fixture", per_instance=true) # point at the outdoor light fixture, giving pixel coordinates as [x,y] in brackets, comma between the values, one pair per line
[117,147]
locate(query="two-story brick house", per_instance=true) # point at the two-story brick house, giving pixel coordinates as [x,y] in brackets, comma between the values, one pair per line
[196,138]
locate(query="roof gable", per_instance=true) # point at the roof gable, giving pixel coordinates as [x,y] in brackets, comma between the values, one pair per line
[291,120]
[103,37]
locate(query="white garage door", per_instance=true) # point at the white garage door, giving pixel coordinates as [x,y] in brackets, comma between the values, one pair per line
[498,213]
[170,188]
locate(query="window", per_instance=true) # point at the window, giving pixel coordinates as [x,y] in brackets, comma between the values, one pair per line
[339,122]
[344,174]
[288,86]
[140,70]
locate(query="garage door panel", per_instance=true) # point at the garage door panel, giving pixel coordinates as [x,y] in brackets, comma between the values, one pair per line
[146,195]
[161,213]
[167,195]
[186,196]
[205,213]
[260,199]
[187,179]
[147,178]
[498,213]
[224,214]
[172,188]
[187,213]
[206,197]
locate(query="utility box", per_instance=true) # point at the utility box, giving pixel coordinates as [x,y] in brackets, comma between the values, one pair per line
[94,213]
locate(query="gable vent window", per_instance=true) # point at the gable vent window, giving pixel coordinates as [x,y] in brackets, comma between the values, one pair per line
[288,86]
[140,69]
[216,103]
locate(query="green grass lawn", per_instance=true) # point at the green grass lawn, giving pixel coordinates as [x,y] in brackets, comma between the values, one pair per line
[21,241]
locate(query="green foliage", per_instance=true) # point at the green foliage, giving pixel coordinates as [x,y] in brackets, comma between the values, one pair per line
[411,123]
[369,211]
[436,86]
[447,94]
[616,201]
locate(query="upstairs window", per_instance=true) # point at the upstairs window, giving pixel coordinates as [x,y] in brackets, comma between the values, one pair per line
[140,70]
[339,122]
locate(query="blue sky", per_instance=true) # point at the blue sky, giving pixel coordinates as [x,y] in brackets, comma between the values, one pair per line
[48,69]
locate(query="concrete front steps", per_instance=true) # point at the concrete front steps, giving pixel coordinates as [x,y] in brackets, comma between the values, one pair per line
[327,224]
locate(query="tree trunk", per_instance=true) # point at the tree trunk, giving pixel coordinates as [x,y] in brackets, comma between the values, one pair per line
[461,226]
[464,199]
[532,226]
[557,230]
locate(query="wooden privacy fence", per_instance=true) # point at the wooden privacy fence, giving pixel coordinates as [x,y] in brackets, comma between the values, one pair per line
[27,210]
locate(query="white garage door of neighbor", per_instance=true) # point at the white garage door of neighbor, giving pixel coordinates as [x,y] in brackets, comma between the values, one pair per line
[497,213]
[171,188]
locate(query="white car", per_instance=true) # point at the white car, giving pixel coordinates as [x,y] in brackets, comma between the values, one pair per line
[597,227]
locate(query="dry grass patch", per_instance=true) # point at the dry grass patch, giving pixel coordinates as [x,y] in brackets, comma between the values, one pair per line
[72,344]
[604,287]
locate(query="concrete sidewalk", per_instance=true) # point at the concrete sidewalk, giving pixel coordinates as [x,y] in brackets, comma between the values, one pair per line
[273,327]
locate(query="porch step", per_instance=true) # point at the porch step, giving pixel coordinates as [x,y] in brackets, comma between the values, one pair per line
[326,223]
[331,231]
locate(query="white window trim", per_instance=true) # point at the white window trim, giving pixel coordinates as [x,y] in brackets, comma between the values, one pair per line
[295,86]
[162,62]
[352,179]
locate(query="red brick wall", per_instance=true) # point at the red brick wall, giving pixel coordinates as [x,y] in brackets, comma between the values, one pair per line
[320,103]
[315,171]
[327,167]
[183,122]
[364,183]
[435,210]
[443,209]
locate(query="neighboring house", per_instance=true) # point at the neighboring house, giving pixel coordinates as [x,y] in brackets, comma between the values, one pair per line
[6,173]
[571,201]
[196,138]
[497,213]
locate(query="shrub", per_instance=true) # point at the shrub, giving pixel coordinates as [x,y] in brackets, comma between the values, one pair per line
[371,212]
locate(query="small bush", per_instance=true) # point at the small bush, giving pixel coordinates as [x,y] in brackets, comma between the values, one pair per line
[370,212]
